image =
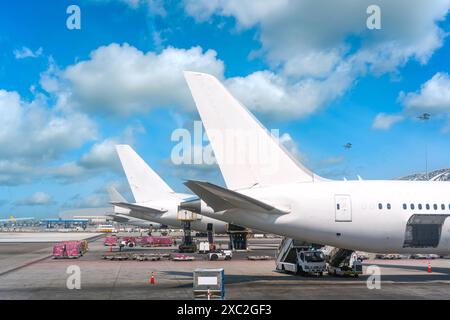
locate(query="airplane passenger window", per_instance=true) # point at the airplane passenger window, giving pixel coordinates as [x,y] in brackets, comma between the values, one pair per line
[443,206]
[389,206]
[420,206]
[412,206]
[405,206]
[338,206]
[428,207]
[435,206]
[380,206]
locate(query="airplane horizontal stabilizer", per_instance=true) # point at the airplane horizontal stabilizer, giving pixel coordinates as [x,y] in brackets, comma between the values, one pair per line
[120,219]
[221,199]
[137,207]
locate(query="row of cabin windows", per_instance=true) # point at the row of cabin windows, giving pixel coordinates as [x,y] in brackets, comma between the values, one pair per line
[412,206]
[427,206]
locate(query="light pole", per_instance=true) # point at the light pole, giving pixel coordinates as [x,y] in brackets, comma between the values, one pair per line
[347,147]
[424,117]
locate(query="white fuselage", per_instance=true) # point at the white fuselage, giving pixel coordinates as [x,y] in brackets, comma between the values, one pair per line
[347,214]
[133,221]
[170,217]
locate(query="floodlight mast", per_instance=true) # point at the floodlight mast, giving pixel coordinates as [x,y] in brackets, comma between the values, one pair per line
[425,117]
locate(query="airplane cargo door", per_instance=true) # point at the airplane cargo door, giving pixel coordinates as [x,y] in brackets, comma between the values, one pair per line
[343,207]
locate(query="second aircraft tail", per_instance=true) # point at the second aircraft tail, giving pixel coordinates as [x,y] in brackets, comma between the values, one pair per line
[146,185]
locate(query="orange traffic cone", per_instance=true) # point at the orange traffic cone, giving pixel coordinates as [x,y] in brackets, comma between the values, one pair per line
[429,267]
[152,279]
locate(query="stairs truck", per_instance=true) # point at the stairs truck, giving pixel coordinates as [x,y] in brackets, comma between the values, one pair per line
[299,258]
[342,262]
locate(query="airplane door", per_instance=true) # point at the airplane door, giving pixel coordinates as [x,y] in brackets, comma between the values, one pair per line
[343,207]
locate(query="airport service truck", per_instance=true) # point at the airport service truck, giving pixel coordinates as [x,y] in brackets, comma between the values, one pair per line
[343,262]
[301,259]
[220,255]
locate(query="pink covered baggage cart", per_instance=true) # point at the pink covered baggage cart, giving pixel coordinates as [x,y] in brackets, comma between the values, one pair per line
[111,241]
[150,241]
[67,250]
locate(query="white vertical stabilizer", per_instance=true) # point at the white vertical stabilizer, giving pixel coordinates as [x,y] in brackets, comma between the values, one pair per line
[114,195]
[267,161]
[145,184]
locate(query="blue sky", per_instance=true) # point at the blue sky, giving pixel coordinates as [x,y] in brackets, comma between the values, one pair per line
[311,69]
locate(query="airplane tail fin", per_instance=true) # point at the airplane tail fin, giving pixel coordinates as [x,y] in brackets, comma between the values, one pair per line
[145,184]
[247,153]
[115,196]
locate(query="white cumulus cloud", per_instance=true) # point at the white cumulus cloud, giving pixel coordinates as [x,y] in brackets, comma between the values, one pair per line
[120,79]
[269,93]
[33,134]
[315,51]
[34,131]
[100,158]
[26,52]
[385,121]
[299,29]
[154,7]
[37,199]
[320,49]
[433,96]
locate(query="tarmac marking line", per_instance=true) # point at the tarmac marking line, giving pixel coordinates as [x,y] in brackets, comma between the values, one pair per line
[29,263]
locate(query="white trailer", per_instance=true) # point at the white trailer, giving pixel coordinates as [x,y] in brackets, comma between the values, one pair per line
[203,247]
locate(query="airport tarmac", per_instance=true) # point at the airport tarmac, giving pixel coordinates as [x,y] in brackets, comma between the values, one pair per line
[35,237]
[45,278]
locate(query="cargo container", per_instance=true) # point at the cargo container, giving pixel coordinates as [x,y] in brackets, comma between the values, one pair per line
[83,245]
[151,241]
[111,241]
[67,250]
